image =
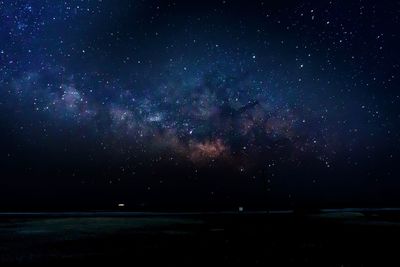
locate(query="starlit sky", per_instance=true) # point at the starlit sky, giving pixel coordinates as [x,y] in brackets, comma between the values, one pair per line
[199,105]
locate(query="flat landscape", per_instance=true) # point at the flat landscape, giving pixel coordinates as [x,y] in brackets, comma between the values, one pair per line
[327,238]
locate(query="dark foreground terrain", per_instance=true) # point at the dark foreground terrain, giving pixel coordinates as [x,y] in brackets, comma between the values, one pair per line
[329,238]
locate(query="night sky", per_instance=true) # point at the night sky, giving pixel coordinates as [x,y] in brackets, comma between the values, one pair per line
[199,105]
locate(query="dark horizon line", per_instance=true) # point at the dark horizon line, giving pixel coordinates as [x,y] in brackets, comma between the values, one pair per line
[118,213]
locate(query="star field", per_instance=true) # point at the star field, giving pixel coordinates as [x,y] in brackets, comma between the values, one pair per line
[291,99]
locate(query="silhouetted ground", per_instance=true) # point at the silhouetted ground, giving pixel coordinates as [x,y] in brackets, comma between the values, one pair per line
[334,238]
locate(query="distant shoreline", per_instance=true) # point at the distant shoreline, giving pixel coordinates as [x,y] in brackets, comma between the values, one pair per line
[140,213]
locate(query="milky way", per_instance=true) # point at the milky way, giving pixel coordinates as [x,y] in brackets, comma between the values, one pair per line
[258,87]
